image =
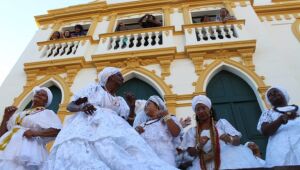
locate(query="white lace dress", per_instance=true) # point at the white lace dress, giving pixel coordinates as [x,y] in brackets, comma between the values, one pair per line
[284,146]
[21,153]
[158,136]
[232,157]
[102,141]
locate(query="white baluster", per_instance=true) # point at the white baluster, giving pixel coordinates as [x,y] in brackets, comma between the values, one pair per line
[76,44]
[222,32]
[150,34]
[199,32]
[213,31]
[62,49]
[234,30]
[54,49]
[113,43]
[135,40]
[230,32]
[157,38]
[205,33]
[69,48]
[127,41]
[121,42]
[143,36]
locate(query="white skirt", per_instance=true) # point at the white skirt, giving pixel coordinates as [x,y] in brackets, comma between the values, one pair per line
[102,141]
[21,152]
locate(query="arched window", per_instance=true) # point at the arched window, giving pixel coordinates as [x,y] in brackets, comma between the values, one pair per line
[141,89]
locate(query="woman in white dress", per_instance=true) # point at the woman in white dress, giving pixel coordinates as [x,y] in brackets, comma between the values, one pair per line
[281,124]
[98,136]
[24,134]
[162,131]
[215,145]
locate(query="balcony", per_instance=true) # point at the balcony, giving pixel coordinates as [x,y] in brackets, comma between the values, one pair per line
[64,48]
[134,40]
[215,32]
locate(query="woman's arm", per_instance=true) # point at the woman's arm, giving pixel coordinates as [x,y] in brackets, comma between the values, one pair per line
[8,112]
[172,126]
[51,132]
[268,129]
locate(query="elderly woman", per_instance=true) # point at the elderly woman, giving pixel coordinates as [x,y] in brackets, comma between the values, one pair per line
[98,136]
[281,123]
[24,134]
[162,130]
[215,145]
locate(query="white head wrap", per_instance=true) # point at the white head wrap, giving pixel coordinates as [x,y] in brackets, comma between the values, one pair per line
[106,73]
[158,101]
[282,90]
[49,94]
[201,99]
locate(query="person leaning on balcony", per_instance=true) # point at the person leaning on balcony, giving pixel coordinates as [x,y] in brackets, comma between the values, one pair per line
[24,134]
[205,19]
[224,16]
[67,34]
[56,35]
[215,145]
[121,27]
[148,21]
[162,131]
[281,124]
[78,31]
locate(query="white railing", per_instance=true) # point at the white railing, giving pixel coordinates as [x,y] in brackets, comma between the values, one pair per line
[214,32]
[138,39]
[62,48]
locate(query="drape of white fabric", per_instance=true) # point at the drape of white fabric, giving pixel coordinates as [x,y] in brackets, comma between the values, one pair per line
[158,136]
[284,146]
[22,153]
[232,157]
[103,140]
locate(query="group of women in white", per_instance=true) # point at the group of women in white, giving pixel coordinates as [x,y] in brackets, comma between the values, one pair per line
[98,135]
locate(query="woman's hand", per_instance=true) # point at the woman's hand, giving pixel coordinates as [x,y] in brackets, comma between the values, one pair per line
[185,122]
[226,138]
[9,111]
[202,141]
[140,129]
[29,134]
[88,108]
[81,100]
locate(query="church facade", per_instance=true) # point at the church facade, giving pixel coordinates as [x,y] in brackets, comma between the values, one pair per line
[233,62]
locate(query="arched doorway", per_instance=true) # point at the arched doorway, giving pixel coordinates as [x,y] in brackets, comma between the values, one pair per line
[139,88]
[234,100]
[57,96]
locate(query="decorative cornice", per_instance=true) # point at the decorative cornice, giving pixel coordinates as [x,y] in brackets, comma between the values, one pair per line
[86,11]
[278,9]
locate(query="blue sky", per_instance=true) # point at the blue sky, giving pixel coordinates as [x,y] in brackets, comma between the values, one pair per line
[18,27]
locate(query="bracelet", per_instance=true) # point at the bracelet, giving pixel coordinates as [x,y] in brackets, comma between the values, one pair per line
[166,118]
[231,139]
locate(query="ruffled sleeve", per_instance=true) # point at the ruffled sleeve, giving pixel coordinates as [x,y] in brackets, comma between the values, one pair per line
[85,92]
[265,117]
[48,119]
[225,127]
[189,139]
